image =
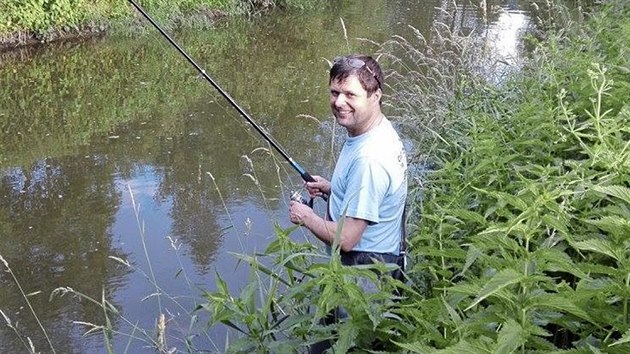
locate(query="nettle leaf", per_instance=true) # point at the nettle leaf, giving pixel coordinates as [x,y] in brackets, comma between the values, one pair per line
[471,256]
[347,335]
[559,225]
[495,237]
[463,347]
[613,224]
[624,339]
[620,192]
[507,198]
[415,347]
[559,302]
[499,281]
[511,336]
[465,288]
[554,260]
[464,215]
[447,253]
[599,269]
[455,317]
[604,247]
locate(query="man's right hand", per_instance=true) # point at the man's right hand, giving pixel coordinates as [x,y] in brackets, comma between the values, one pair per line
[320,187]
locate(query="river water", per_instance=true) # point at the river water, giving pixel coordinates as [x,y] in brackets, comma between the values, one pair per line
[126,177]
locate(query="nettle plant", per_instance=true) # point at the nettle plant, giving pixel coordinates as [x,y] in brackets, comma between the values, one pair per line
[524,238]
[294,287]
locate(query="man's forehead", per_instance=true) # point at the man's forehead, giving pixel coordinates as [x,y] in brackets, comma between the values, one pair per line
[348,82]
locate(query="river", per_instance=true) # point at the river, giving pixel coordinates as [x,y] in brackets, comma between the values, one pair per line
[126,177]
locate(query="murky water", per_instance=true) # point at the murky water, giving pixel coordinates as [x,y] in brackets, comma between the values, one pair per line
[114,150]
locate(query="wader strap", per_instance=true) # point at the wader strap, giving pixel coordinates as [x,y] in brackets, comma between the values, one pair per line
[403,233]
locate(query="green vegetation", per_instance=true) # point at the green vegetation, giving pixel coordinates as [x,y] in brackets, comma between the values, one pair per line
[522,244]
[44,20]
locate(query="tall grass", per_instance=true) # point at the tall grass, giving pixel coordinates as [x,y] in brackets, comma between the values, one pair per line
[521,241]
[23,337]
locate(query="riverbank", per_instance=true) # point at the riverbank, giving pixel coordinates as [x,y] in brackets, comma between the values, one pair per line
[31,22]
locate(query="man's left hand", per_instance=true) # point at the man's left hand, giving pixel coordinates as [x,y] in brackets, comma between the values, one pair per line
[299,212]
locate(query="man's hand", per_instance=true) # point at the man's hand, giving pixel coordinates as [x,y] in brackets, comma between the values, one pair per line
[299,213]
[320,187]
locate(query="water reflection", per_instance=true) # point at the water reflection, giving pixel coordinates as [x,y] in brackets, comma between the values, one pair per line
[70,249]
[124,175]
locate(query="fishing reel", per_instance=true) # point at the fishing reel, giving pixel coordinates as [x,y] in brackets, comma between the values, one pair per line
[297,197]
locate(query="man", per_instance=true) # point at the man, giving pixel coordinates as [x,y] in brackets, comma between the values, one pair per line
[368,187]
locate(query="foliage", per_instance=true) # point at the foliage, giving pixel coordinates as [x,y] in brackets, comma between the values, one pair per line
[523,242]
[41,15]
[44,18]
[296,294]
[523,222]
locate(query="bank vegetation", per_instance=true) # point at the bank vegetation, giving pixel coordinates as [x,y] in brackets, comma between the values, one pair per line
[520,240]
[24,22]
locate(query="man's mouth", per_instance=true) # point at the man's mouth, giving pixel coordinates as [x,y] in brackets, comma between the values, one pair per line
[343,113]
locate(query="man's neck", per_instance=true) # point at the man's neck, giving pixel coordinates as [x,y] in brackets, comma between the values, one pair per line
[374,121]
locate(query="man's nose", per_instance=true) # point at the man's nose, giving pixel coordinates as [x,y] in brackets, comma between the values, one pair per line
[340,100]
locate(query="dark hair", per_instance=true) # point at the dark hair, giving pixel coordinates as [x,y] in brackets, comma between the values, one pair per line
[364,67]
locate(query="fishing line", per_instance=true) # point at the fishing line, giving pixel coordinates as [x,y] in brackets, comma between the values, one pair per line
[303,173]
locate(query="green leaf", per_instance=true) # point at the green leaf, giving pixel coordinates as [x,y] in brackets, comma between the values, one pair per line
[554,260]
[620,192]
[447,253]
[455,317]
[511,336]
[558,302]
[462,347]
[624,339]
[466,215]
[500,280]
[557,224]
[600,246]
[513,200]
[415,347]
[347,335]
[471,256]
[613,224]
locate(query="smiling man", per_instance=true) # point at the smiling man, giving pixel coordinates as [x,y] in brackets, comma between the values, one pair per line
[368,187]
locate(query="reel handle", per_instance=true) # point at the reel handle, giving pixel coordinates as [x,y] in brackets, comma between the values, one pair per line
[297,197]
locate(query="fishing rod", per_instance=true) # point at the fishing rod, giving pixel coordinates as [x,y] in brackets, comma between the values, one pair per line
[305,175]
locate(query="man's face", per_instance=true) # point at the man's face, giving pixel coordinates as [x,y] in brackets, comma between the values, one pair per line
[352,107]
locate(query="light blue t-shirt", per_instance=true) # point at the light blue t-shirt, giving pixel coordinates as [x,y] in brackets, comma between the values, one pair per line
[370,183]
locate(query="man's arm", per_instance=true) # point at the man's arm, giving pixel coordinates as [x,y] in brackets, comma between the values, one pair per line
[325,230]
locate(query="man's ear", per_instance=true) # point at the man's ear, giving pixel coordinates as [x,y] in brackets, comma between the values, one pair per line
[378,94]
